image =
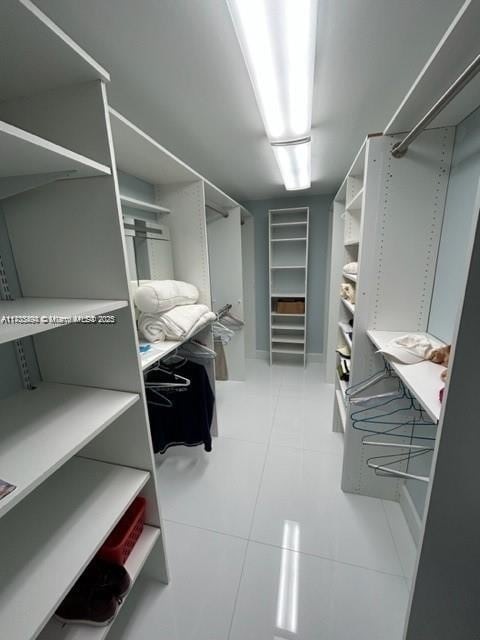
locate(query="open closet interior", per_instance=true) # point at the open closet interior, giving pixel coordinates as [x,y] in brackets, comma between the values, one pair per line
[182,455]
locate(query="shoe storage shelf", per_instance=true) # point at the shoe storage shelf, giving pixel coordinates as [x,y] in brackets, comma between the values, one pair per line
[288,283]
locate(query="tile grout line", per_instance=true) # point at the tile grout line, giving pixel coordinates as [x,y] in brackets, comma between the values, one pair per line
[402,567]
[242,573]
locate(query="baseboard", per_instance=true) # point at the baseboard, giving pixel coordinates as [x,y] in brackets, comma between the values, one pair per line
[411,514]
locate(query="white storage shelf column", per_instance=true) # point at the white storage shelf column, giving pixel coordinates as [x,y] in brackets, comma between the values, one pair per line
[76,448]
[288,281]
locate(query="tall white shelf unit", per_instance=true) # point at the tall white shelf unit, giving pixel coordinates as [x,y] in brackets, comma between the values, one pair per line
[288,279]
[77,445]
[347,228]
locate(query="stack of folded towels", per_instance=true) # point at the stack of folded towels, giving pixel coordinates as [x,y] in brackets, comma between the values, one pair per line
[169,310]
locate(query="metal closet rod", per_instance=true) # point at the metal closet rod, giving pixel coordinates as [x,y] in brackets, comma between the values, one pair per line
[222,213]
[400,149]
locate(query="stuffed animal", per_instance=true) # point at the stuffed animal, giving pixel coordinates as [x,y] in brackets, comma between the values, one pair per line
[441,356]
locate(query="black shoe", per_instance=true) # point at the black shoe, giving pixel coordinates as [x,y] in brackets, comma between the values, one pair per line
[87,606]
[112,578]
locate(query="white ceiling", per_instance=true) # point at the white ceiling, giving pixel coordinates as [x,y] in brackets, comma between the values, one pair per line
[177,73]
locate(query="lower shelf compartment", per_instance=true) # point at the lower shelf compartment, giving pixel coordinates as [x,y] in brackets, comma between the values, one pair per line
[57,530]
[341,408]
[287,348]
[56,630]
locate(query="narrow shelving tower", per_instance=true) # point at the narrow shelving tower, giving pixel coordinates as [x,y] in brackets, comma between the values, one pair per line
[348,210]
[288,278]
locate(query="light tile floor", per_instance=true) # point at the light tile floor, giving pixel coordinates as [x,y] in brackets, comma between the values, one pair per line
[262,542]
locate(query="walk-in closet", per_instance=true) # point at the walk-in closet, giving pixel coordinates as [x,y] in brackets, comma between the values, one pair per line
[239,273]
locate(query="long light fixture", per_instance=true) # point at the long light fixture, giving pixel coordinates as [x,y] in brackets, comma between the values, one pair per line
[278,40]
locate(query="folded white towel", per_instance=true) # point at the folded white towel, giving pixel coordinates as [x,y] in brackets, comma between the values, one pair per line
[351,268]
[150,327]
[179,323]
[158,296]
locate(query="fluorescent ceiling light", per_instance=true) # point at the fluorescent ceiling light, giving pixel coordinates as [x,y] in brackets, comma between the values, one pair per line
[278,40]
[294,161]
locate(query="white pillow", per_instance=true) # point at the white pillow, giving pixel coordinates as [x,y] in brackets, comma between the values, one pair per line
[158,296]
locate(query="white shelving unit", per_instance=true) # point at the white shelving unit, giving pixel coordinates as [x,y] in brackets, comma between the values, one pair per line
[141,205]
[75,443]
[288,279]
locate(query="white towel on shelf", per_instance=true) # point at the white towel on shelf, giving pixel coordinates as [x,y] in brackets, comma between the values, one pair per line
[150,327]
[351,268]
[158,296]
[184,321]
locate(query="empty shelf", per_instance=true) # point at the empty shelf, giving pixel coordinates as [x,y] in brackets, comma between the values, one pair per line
[42,310]
[287,224]
[57,530]
[300,266]
[45,427]
[25,154]
[291,327]
[355,203]
[288,338]
[423,379]
[142,206]
[350,276]
[56,630]
[288,349]
[348,305]
[351,243]
[288,240]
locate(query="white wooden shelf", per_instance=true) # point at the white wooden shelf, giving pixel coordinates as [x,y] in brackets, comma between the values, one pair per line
[287,339]
[349,276]
[142,206]
[351,243]
[341,408]
[287,295]
[159,350]
[355,203]
[44,309]
[26,155]
[288,240]
[292,266]
[288,224]
[349,306]
[345,334]
[288,349]
[292,327]
[288,315]
[56,630]
[45,427]
[53,60]
[422,379]
[57,530]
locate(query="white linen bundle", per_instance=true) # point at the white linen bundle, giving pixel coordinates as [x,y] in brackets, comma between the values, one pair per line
[177,324]
[158,296]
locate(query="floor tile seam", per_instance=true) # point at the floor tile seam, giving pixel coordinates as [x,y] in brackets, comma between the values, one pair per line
[397,551]
[308,554]
[209,530]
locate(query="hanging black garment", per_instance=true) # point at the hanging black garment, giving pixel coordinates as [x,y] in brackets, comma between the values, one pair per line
[189,420]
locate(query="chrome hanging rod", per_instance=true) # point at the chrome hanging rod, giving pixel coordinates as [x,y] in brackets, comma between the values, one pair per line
[222,213]
[401,148]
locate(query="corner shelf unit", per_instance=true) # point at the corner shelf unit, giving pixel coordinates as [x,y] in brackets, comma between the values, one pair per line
[288,280]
